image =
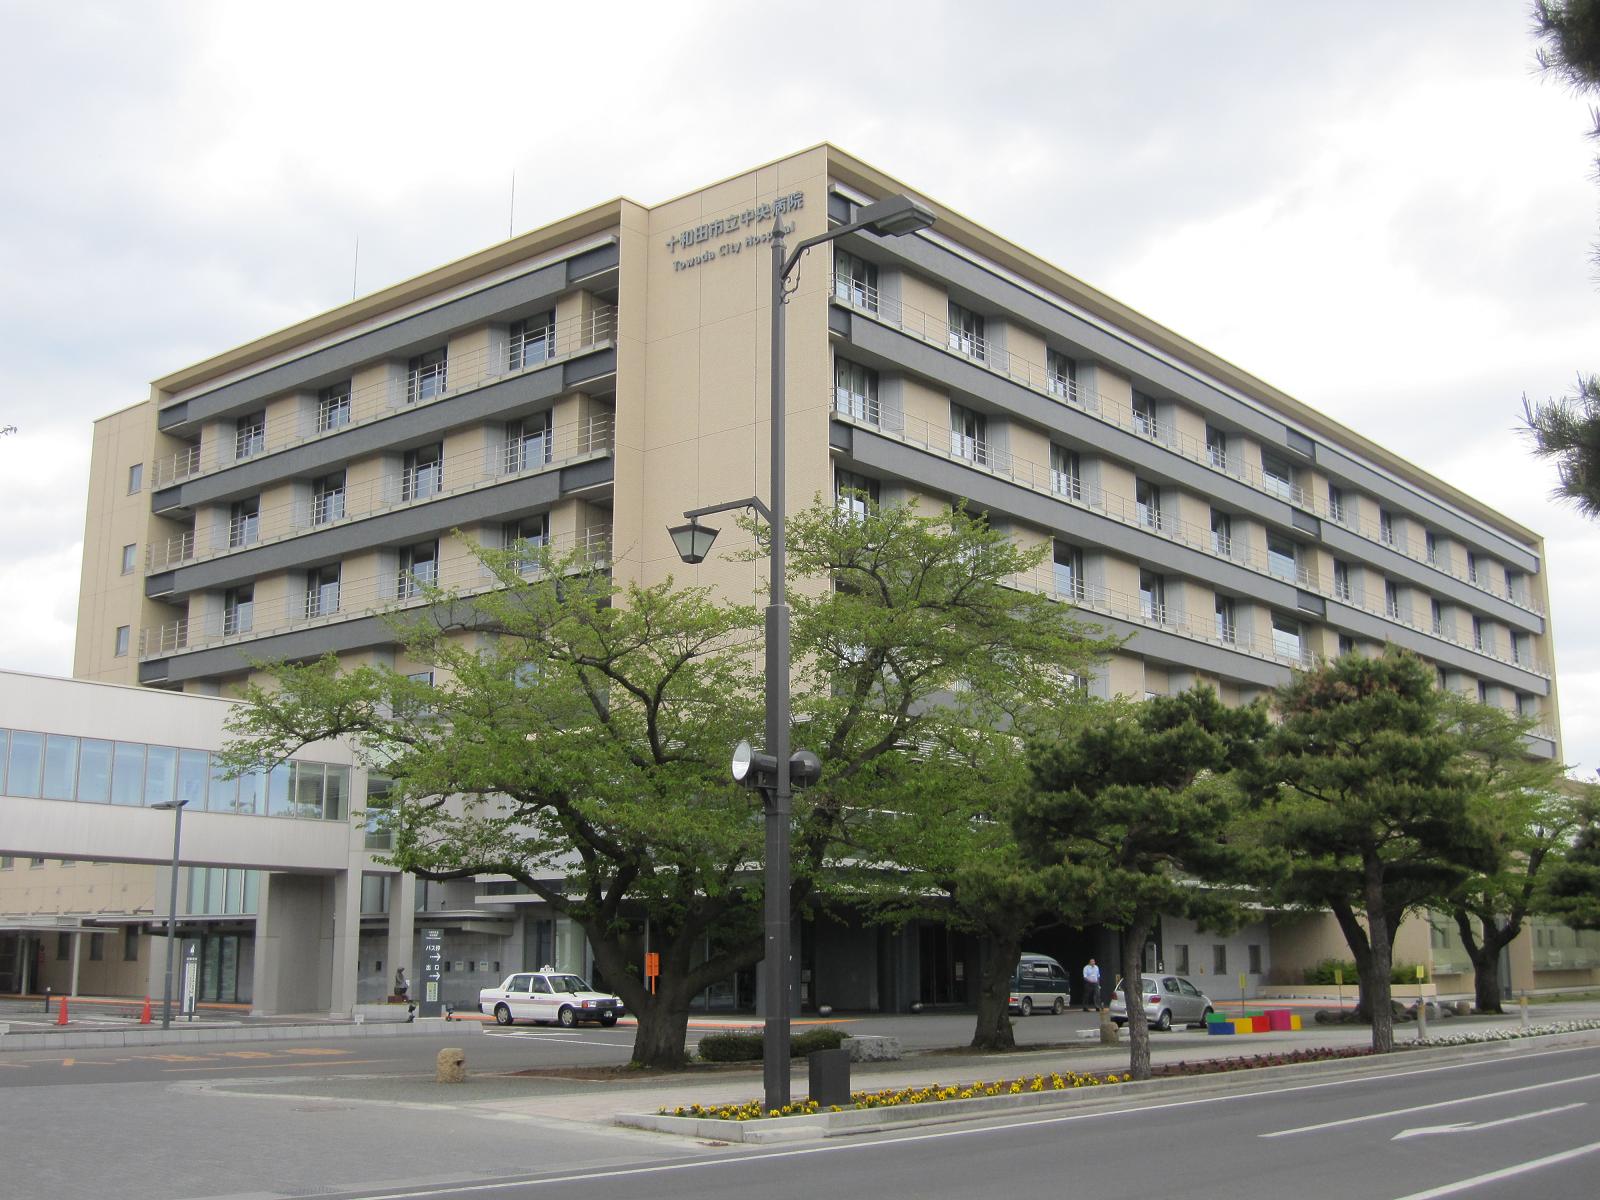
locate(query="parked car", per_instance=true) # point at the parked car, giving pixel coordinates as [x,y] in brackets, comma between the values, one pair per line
[1040,982]
[1168,1000]
[548,996]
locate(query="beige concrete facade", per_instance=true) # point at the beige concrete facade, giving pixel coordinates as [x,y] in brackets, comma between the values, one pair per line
[1229,531]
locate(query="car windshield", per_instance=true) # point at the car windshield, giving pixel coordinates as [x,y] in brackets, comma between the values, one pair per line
[568,983]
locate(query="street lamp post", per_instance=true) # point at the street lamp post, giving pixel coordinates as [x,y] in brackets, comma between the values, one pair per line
[892,217]
[172,905]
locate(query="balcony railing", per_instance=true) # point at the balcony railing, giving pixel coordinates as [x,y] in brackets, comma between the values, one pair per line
[463,373]
[935,331]
[346,600]
[937,439]
[450,476]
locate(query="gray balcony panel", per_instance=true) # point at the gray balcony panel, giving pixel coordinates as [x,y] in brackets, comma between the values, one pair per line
[296,645]
[581,477]
[1302,445]
[891,349]
[1446,654]
[409,335]
[159,584]
[396,527]
[839,321]
[583,267]
[1146,369]
[1306,523]
[1539,745]
[172,416]
[405,428]
[1084,526]
[587,368]
[1311,603]
[1160,646]
[1446,587]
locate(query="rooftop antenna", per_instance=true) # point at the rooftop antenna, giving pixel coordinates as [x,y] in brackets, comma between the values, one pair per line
[354,267]
[511,220]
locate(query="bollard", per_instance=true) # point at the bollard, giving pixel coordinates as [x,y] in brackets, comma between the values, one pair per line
[47,1000]
[1109,1033]
[450,1066]
[1524,1003]
[1422,1018]
[830,1076]
[62,1018]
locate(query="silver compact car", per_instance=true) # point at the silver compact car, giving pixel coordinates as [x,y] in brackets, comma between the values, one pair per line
[1168,1000]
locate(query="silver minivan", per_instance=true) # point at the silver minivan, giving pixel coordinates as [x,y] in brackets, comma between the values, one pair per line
[1168,1000]
[1038,983]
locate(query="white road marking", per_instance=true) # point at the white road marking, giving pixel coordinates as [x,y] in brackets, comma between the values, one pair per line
[1400,1112]
[1467,1126]
[556,1037]
[1464,1185]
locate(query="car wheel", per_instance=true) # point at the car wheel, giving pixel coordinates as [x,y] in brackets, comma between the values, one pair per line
[1060,1005]
[608,1019]
[1119,1022]
[1027,1006]
[502,1015]
[1164,1021]
[567,1017]
[1201,1023]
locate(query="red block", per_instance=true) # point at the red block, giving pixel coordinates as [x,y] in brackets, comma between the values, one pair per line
[1261,1024]
[1279,1020]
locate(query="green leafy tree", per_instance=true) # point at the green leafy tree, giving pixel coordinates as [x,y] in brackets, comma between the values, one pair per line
[1373,808]
[1571,890]
[1131,817]
[1529,812]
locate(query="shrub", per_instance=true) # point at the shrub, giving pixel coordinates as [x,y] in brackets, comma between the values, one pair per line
[750,1047]
[1321,975]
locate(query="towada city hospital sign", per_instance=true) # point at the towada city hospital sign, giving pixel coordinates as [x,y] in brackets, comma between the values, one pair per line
[730,235]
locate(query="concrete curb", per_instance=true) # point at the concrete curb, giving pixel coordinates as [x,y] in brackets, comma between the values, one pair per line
[145,1036]
[1101,1096]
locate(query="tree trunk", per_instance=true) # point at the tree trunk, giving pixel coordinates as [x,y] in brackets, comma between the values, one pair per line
[663,1027]
[998,953]
[1133,939]
[1361,951]
[1485,955]
[1376,989]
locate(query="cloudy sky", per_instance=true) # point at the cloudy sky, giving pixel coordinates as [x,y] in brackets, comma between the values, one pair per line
[1380,208]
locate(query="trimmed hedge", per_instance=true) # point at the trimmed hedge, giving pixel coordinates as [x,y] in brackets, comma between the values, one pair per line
[1322,974]
[750,1047]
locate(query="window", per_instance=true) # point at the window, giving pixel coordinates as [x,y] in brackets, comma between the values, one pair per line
[97,947]
[1221,533]
[1391,599]
[127,774]
[244,522]
[1219,959]
[969,433]
[1144,416]
[1386,527]
[1341,579]
[1147,503]
[333,406]
[855,280]
[238,610]
[1335,503]
[423,474]
[1255,959]
[1153,597]
[63,947]
[1514,582]
[419,569]
[1066,472]
[1282,560]
[532,342]
[250,434]
[135,478]
[855,390]
[530,442]
[1286,638]
[327,499]
[1347,645]
[854,494]
[1431,544]
[1477,634]
[1277,476]
[425,376]
[966,332]
[130,943]
[527,537]
[1181,957]
[1436,610]
[1483,692]
[1063,372]
[128,553]
[1216,448]
[1527,706]
[1472,567]
[124,633]
[1441,679]
[60,767]
[1227,630]
[1519,648]
[1068,571]
[25,764]
[7,862]
[322,590]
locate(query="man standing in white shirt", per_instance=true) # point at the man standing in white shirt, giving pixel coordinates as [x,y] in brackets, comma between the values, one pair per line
[1091,986]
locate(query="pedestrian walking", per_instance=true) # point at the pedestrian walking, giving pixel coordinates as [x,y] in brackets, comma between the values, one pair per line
[402,986]
[1091,986]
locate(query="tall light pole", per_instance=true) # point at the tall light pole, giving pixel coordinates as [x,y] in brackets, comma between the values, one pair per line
[893,217]
[172,904]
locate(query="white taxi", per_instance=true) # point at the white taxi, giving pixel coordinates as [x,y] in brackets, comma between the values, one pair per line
[548,996]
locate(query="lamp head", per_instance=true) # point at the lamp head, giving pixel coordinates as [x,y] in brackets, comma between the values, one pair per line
[692,541]
[895,216]
[169,805]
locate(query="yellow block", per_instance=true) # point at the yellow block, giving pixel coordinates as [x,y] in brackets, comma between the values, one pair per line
[1294,1023]
[1243,1025]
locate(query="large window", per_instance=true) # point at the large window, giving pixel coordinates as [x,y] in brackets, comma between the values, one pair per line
[533,341]
[419,569]
[1227,629]
[244,522]
[1286,638]
[969,434]
[1066,472]
[423,473]
[1391,599]
[25,764]
[327,499]
[529,442]
[322,590]
[1386,527]
[1063,372]
[1216,448]
[1277,476]
[966,332]
[1153,597]
[525,537]
[855,280]
[1144,416]
[60,767]
[855,390]
[1069,571]
[250,434]
[1147,503]
[1221,533]
[1282,562]
[855,494]
[333,406]
[1341,579]
[1335,503]
[238,610]
[425,376]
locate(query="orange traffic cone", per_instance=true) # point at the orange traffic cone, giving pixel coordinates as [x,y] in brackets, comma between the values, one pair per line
[144,1017]
[62,1018]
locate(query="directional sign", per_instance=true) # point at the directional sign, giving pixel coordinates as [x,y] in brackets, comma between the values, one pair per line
[432,972]
[1472,1126]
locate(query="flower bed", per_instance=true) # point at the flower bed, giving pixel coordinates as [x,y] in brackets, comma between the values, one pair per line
[931,1093]
[1504,1035]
